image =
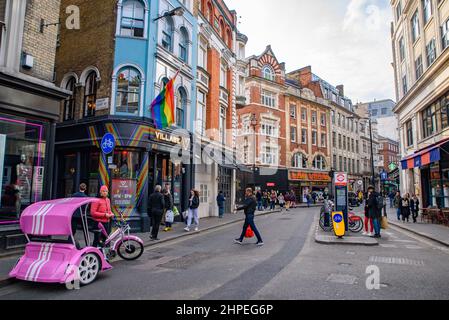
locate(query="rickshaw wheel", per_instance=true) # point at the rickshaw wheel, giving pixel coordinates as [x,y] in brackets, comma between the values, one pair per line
[130,250]
[89,268]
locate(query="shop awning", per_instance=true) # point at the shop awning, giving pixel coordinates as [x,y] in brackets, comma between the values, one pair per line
[424,157]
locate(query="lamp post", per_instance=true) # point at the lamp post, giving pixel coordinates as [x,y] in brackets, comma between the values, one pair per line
[254,125]
[179,11]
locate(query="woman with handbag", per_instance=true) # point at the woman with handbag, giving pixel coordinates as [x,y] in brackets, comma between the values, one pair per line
[169,215]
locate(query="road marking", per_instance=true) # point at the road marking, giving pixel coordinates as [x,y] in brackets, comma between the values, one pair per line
[398,261]
[403,241]
[414,247]
[388,245]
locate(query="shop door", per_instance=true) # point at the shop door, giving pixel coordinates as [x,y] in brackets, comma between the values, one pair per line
[224,185]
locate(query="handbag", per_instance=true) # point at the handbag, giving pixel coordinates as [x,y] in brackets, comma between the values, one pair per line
[169,216]
[384,223]
[175,212]
[249,233]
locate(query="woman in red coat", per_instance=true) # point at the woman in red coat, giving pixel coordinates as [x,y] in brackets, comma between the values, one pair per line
[101,212]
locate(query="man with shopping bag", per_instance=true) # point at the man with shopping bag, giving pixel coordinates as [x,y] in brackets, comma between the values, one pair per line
[249,207]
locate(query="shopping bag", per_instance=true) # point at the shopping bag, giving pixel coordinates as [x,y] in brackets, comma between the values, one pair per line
[384,222]
[169,216]
[175,212]
[249,233]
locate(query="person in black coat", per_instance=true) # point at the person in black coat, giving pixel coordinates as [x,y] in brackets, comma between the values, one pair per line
[194,204]
[249,207]
[156,209]
[373,210]
[168,199]
[414,207]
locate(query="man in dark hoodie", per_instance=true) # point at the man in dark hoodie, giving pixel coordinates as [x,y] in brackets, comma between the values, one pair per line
[249,207]
[374,211]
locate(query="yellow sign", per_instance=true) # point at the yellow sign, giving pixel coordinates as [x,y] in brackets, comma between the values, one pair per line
[309,176]
[339,224]
[166,137]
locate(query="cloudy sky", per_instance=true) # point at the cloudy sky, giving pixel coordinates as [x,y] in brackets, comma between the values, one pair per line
[345,41]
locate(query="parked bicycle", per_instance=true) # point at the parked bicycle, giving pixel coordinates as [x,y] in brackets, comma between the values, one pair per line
[355,223]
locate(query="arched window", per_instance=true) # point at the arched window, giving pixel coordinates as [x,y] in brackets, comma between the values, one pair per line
[133,19]
[69,103]
[167,34]
[165,80]
[319,163]
[90,95]
[181,106]
[222,30]
[184,45]
[299,161]
[268,73]
[209,13]
[229,38]
[128,91]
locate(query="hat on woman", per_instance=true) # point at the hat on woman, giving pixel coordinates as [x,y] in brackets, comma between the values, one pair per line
[104,188]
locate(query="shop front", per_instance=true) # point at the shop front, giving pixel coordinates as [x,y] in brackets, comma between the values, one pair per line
[305,182]
[433,165]
[28,113]
[143,158]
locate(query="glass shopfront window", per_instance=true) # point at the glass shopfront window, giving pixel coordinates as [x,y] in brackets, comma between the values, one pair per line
[124,178]
[22,159]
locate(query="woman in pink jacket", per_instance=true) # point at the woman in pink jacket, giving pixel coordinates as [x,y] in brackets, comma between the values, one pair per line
[101,213]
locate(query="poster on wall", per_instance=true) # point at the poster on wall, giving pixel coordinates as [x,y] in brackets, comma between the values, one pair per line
[123,193]
[38,184]
[2,160]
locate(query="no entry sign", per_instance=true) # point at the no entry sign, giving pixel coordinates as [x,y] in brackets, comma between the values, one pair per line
[341,179]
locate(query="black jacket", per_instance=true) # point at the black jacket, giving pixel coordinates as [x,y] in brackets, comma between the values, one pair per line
[249,206]
[194,203]
[156,204]
[168,201]
[373,210]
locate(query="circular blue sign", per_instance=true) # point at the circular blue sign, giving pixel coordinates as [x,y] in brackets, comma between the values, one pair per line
[338,218]
[108,143]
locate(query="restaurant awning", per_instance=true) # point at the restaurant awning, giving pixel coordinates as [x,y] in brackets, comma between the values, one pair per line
[424,156]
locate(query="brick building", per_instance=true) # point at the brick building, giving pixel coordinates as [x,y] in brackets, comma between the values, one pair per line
[29,109]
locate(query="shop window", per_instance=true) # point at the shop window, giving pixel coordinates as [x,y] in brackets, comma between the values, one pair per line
[128,91]
[22,159]
[133,19]
[69,103]
[128,164]
[90,95]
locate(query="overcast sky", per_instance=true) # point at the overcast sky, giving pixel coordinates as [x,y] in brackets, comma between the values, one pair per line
[345,41]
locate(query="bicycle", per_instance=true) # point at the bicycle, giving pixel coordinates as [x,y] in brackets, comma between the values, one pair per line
[355,223]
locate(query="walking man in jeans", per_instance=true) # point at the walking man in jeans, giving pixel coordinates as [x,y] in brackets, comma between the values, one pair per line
[249,208]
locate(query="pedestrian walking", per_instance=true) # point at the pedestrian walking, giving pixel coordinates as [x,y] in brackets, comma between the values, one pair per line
[265,200]
[406,208]
[309,200]
[288,200]
[194,204]
[101,213]
[249,208]
[414,205]
[82,191]
[273,199]
[314,196]
[259,198]
[375,204]
[221,204]
[391,196]
[293,199]
[281,200]
[168,199]
[398,205]
[156,209]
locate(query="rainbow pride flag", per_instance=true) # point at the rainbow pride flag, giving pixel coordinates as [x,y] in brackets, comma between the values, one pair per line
[163,107]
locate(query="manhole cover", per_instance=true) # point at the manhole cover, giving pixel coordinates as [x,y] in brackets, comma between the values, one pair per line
[186,261]
[341,278]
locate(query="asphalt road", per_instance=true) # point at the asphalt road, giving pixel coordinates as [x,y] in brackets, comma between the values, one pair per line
[290,266]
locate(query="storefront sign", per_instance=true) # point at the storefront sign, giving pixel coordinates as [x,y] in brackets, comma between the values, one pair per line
[271,184]
[309,176]
[102,104]
[123,192]
[2,160]
[166,137]
[108,143]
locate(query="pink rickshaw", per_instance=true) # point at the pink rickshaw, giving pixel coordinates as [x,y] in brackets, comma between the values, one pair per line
[54,255]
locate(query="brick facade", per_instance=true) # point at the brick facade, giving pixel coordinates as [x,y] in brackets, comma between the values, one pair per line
[41,46]
[91,46]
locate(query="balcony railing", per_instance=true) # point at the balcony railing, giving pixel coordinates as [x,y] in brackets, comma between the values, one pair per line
[202,77]
[224,96]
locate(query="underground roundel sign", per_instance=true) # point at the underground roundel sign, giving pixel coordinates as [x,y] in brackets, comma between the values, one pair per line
[341,179]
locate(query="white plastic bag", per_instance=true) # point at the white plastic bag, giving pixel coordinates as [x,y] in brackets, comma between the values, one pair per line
[170,216]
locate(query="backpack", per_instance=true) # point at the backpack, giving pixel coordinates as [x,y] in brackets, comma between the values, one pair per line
[380,201]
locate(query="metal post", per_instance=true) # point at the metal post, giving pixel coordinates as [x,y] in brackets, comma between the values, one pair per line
[254,164]
[373,180]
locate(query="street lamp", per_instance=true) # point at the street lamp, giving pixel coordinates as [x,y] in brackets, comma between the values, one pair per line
[254,125]
[179,11]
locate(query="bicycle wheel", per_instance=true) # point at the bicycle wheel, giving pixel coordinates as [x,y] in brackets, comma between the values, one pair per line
[356,226]
[130,250]
[322,224]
